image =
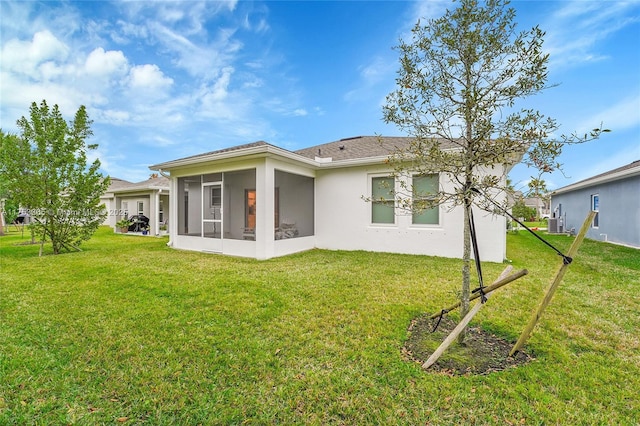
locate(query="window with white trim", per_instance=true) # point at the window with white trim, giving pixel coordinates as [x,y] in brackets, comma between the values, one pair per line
[425,190]
[382,200]
[595,206]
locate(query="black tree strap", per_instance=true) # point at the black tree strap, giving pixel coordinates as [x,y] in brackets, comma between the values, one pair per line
[442,314]
[476,255]
[565,259]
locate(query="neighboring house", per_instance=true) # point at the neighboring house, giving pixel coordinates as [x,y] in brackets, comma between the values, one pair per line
[540,204]
[258,200]
[615,195]
[150,198]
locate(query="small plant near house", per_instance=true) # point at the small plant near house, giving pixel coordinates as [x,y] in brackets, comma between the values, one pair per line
[123,225]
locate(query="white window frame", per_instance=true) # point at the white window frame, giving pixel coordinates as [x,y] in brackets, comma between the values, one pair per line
[371,178]
[426,225]
[595,207]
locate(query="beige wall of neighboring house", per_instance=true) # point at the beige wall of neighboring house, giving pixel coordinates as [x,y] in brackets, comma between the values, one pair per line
[150,198]
[540,204]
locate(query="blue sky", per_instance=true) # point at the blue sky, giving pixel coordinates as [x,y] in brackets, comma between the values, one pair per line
[164,80]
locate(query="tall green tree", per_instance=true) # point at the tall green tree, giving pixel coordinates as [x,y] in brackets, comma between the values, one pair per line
[8,206]
[47,171]
[460,78]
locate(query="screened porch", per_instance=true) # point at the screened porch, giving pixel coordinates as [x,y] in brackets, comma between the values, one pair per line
[224,206]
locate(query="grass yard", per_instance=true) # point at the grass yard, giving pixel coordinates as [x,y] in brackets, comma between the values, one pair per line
[537,224]
[132,332]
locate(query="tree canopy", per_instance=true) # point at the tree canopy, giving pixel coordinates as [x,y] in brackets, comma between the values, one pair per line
[461,80]
[47,171]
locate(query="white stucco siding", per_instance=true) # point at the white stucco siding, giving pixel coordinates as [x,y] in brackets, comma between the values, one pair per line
[343,221]
[264,246]
[109,208]
[342,218]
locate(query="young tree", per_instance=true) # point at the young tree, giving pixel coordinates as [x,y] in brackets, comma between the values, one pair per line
[47,171]
[520,210]
[8,207]
[459,80]
[538,190]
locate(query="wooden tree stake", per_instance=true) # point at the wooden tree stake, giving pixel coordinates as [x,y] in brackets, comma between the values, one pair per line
[461,326]
[554,285]
[502,281]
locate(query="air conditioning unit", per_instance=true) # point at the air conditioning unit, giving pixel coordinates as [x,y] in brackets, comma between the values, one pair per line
[553,225]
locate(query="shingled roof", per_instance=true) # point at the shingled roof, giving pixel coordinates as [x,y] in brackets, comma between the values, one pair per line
[232,148]
[628,170]
[354,148]
[121,185]
[360,147]
[630,166]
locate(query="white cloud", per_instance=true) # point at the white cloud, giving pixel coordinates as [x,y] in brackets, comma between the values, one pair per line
[258,24]
[576,29]
[219,91]
[217,101]
[25,56]
[160,141]
[607,162]
[127,30]
[116,116]
[623,115]
[425,10]
[105,64]
[378,71]
[148,77]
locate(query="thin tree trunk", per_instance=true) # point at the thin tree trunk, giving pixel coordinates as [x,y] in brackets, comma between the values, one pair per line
[467,197]
[466,270]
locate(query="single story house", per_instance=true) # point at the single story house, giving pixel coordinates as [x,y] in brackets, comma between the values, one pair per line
[149,198]
[541,205]
[262,201]
[615,195]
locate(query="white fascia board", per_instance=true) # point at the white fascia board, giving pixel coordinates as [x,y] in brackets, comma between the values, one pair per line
[270,151]
[233,155]
[381,159]
[140,189]
[599,180]
[351,162]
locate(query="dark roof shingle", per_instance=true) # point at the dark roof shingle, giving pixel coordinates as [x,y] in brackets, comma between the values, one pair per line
[359,147]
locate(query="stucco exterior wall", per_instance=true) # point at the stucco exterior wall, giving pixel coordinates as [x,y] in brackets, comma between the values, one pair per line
[264,246]
[109,208]
[342,218]
[619,210]
[343,221]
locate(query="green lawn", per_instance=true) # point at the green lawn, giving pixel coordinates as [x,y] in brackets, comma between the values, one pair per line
[132,332]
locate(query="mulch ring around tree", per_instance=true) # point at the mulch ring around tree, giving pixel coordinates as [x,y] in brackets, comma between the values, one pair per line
[482,353]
